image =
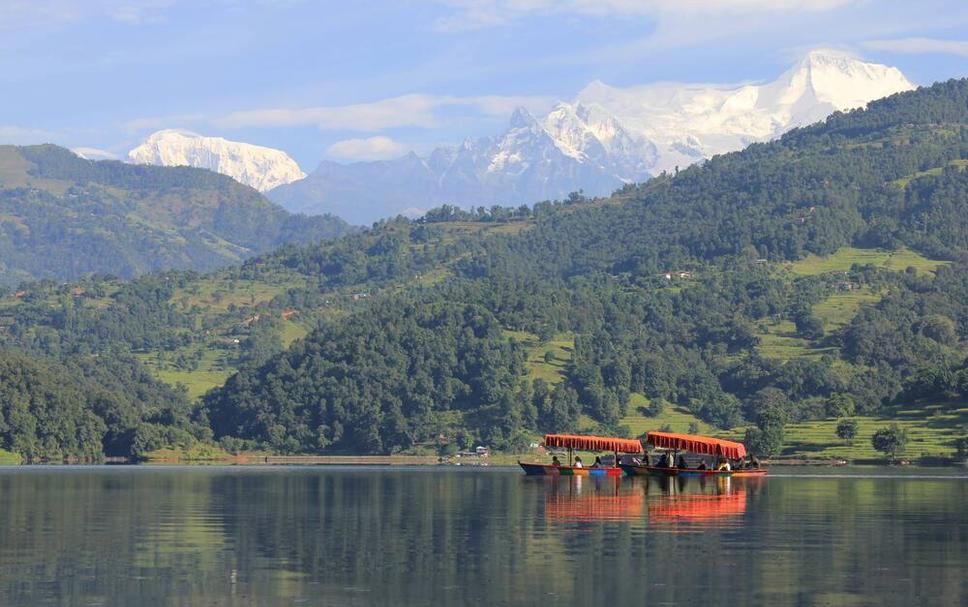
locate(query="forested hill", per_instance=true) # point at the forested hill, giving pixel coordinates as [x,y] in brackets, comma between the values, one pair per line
[62,217]
[819,276]
[430,362]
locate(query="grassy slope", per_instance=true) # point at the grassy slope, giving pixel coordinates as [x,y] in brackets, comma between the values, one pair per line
[214,295]
[779,339]
[930,430]
[9,459]
[561,348]
[843,259]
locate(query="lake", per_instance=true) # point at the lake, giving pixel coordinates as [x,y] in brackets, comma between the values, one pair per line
[147,536]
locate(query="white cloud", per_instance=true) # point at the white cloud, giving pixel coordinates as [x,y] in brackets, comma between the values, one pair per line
[19,135]
[94,153]
[406,110]
[371,148]
[415,110]
[154,123]
[46,13]
[920,45]
[478,14]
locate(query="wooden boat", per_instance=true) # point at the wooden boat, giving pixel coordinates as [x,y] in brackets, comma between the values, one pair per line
[547,469]
[690,443]
[643,470]
[582,443]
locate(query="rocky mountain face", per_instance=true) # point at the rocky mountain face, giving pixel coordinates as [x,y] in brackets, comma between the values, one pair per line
[605,137]
[259,167]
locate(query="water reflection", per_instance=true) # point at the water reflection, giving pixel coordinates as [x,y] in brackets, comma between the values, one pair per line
[700,503]
[319,536]
[608,499]
[686,503]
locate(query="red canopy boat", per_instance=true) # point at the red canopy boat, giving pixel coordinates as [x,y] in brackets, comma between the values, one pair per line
[583,442]
[703,445]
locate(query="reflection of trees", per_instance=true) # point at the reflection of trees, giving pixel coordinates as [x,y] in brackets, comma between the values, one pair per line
[256,537]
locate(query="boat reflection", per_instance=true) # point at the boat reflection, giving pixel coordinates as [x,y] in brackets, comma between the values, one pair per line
[605,499]
[668,502]
[698,502]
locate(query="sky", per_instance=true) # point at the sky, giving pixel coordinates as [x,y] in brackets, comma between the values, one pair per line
[360,80]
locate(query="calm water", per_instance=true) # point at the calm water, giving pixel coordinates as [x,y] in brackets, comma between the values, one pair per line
[325,536]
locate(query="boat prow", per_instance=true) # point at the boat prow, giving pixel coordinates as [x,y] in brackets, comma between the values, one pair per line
[532,469]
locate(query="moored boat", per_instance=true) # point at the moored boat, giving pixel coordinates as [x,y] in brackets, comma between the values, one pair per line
[580,442]
[643,470]
[722,450]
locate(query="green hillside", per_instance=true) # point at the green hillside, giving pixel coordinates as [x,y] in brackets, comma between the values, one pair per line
[730,291]
[777,289]
[62,217]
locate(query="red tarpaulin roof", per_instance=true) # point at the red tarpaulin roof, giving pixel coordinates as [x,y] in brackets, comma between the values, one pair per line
[696,444]
[593,443]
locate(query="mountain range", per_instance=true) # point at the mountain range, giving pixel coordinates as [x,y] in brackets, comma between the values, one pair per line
[605,137]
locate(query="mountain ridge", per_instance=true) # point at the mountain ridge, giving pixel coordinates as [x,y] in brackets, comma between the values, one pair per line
[62,217]
[606,137]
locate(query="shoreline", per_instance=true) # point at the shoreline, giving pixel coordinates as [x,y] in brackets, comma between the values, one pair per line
[501,460]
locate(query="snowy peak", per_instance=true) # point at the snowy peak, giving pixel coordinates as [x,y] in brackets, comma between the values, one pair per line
[589,133]
[604,137]
[839,80]
[688,122]
[259,167]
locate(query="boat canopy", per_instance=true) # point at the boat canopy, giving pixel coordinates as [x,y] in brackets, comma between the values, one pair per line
[696,444]
[593,443]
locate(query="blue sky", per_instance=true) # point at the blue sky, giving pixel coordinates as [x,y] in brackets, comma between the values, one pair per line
[361,79]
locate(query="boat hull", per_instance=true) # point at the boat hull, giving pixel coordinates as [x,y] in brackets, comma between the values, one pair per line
[639,470]
[547,470]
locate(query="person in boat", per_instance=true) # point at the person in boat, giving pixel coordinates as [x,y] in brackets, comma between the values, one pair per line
[754,463]
[682,463]
[641,461]
[555,461]
[597,463]
[723,465]
[702,465]
[663,461]
[578,462]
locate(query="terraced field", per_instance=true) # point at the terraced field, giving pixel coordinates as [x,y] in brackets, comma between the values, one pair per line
[845,258]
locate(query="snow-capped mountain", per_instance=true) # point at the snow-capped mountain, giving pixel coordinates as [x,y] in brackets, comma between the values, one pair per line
[260,167]
[524,164]
[691,122]
[605,137]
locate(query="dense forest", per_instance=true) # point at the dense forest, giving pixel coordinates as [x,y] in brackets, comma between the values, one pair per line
[671,293]
[62,217]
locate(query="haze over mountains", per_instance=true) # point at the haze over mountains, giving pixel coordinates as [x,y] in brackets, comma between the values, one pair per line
[605,137]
